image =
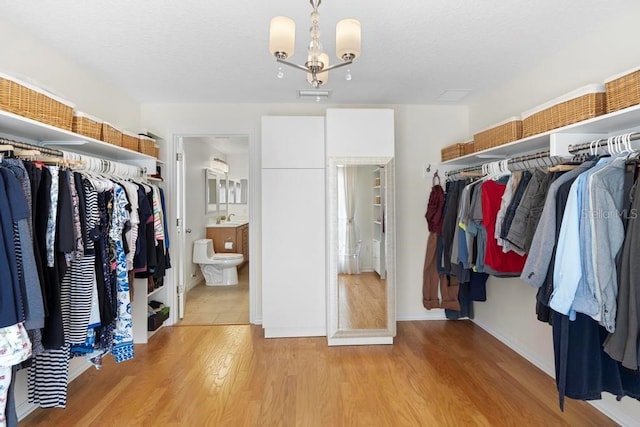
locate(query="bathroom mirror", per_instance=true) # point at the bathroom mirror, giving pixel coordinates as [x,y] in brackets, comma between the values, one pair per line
[361,248]
[211,182]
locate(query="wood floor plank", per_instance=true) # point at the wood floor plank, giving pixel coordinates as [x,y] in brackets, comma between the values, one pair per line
[436,373]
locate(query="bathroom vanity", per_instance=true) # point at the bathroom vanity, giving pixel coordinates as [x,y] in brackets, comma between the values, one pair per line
[230,237]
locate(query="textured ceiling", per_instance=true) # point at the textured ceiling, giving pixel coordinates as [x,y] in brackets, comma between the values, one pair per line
[217,51]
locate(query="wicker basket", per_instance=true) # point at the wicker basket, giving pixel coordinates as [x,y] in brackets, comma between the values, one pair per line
[581,104]
[623,90]
[34,103]
[111,134]
[504,132]
[452,151]
[147,145]
[130,140]
[86,125]
[468,148]
[156,151]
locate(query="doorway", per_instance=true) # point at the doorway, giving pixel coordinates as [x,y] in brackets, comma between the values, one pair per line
[215,303]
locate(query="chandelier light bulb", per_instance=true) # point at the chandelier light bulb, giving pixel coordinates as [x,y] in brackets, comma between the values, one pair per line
[317,67]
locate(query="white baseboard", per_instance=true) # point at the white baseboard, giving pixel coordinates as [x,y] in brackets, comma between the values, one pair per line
[437,314]
[542,365]
[294,332]
[193,282]
[606,407]
[360,341]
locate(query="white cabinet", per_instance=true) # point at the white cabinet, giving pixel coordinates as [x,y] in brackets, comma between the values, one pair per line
[293,227]
[292,142]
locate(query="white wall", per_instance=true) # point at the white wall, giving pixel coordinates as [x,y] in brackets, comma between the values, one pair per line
[29,59]
[595,54]
[197,155]
[419,132]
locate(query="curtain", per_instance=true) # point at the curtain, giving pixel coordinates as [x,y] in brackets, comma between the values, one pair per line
[347,184]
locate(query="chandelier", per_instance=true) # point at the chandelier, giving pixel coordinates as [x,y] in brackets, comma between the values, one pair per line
[282,35]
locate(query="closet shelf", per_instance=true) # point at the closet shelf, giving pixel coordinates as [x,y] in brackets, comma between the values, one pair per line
[155,291]
[22,127]
[621,120]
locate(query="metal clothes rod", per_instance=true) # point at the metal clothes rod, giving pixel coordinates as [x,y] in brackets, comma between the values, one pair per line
[96,164]
[573,149]
[511,161]
[25,146]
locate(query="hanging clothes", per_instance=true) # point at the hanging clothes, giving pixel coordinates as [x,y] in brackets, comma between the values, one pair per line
[434,282]
[64,241]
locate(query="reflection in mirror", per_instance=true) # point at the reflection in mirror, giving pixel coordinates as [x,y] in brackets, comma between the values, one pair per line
[361,249]
[244,190]
[211,182]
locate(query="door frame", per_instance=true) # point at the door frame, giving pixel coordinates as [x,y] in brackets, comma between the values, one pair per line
[178,235]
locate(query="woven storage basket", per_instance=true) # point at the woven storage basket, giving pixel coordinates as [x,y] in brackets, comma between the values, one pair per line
[147,145]
[130,140]
[623,90]
[34,103]
[581,104]
[86,125]
[452,151]
[156,151]
[504,132]
[111,134]
[468,148]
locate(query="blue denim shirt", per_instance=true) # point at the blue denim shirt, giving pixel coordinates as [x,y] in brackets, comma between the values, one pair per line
[570,258]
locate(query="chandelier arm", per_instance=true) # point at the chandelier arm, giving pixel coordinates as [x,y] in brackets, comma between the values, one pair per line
[291,64]
[338,65]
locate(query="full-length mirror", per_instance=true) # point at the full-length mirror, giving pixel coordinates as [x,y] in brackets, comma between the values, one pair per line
[361,242]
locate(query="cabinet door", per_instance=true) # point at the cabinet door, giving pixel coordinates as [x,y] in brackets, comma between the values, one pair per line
[292,142]
[222,235]
[245,242]
[293,252]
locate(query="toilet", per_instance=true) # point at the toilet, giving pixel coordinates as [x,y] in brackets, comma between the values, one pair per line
[217,269]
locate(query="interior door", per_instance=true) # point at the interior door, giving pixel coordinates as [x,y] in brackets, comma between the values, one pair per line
[180,203]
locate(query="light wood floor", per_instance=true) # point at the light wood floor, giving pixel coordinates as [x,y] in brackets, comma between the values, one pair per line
[219,305]
[437,373]
[363,301]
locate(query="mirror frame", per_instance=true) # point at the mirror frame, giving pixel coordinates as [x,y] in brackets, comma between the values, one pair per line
[336,336]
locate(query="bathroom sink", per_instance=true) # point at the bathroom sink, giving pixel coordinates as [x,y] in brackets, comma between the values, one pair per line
[228,224]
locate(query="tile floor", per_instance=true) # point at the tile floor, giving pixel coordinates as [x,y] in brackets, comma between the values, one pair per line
[219,305]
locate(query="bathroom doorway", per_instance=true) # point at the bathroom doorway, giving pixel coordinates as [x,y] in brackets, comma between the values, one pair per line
[220,304]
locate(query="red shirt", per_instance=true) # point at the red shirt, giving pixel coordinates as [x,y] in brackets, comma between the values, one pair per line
[494,258]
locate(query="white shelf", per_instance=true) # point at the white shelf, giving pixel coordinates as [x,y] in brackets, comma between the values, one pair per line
[22,127]
[155,291]
[616,122]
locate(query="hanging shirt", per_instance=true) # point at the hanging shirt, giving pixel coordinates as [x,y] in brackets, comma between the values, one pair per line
[569,268]
[544,239]
[606,196]
[510,262]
